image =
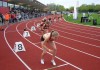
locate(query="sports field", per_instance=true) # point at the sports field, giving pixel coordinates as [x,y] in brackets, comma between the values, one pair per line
[78,21]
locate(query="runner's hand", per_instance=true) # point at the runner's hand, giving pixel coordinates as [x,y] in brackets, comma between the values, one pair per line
[50,51]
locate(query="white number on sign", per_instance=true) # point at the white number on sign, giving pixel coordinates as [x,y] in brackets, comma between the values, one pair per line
[20,47]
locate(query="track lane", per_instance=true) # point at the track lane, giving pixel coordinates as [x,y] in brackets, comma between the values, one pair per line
[81,46]
[37,65]
[80,33]
[86,30]
[90,48]
[22,65]
[94,28]
[78,57]
[39,43]
[8,60]
[79,37]
[35,40]
[88,41]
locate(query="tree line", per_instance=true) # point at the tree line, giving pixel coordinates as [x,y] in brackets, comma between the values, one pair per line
[82,8]
[89,8]
[54,7]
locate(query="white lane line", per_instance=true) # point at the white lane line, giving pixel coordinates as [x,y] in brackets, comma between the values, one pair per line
[76,31]
[56,67]
[77,40]
[48,52]
[70,47]
[79,50]
[13,31]
[76,27]
[15,53]
[81,42]
[78,35]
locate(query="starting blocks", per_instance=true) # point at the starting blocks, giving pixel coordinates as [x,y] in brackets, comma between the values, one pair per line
[33,28]
[19,47]
[26,34]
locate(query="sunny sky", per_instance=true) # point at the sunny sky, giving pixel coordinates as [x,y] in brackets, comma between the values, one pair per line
[69,3]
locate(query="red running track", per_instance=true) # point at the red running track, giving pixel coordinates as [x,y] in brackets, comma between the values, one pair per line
[78,47]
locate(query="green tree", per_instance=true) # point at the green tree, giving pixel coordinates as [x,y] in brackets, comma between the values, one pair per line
[54,7]
[89,8]
[71,9]
[97,8]
[83,8]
